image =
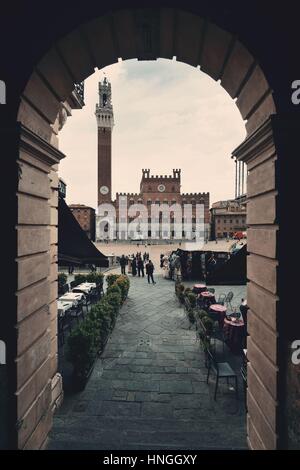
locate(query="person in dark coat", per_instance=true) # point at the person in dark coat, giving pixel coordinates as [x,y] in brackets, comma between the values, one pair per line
[123,263]
[140,266]
[161,260]
[149,271]
[133,266]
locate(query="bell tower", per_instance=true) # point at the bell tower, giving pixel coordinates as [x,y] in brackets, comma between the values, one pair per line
[105,122]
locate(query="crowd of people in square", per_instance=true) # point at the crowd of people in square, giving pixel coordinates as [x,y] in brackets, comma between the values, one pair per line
[137,265]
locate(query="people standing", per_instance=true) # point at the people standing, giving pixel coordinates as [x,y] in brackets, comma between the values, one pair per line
[149,271]
[161,260]
[123,263]
[133,266]
[129,264]
[140,266]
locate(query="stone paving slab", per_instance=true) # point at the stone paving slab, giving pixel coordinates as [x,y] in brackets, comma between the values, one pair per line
[148,390]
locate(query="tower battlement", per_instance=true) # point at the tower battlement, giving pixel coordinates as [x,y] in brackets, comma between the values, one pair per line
[176,176]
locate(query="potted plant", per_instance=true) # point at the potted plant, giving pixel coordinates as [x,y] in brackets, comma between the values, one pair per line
[192,298]
[81,353]
[79,279]
[123,283]
[208,324]
[179,289]
[111,279]
[115,300]
[62,280]
[97,278]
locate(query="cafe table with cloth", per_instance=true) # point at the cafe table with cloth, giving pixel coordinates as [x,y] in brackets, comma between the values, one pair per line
[198,288]
[234,333]
[218,312]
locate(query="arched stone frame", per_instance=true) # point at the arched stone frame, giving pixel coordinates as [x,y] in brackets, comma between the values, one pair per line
[45,103]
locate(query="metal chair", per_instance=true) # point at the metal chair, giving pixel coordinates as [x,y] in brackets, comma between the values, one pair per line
[204,337]
[228,299]
[76,312]
[222,370]
[73,284]
[94,295]
[221,299]
[65,288]
[243,371]
[64,325]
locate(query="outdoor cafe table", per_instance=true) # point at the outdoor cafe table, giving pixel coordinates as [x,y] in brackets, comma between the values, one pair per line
[85,287]
[234,333]
[72,296]
[63,307]
[219,310]
[208,298]
[198,288]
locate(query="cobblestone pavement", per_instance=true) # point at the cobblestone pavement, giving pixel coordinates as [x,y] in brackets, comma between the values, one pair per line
[148,390]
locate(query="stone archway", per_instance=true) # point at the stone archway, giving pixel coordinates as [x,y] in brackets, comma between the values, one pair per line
[45,103]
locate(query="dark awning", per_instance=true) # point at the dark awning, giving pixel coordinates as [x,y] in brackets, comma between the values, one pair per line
[74,246]
[233,272]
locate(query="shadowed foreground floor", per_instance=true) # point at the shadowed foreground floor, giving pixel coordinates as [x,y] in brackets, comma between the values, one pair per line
[148,390]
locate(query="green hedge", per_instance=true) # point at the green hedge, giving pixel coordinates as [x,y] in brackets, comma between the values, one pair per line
[91,277]
[89,337]
[79,279]
[62,280]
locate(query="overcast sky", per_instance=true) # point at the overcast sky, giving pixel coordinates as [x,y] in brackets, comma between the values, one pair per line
[167,115]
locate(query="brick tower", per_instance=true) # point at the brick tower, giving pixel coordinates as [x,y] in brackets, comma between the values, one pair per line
[105,122]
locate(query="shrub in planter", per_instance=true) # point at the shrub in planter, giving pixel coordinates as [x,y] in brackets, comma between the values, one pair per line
[123,283]
[200,314]
[62,279]
[79,279]
[181,297]
[95,277]
[108,309]
[179,289]
[100,313]
[191,316]
[111,279]
[81,353]
[192,298]
[114,289]
[115,300]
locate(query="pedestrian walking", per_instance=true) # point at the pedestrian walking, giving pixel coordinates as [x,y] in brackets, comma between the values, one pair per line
[140,266]
[149,271]
[123,263]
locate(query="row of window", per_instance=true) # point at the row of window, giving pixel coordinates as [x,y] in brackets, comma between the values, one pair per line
[237,221]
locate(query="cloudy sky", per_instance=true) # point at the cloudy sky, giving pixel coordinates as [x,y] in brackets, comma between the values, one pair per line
[167,115]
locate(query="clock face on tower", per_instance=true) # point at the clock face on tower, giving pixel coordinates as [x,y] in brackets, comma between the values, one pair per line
[161,188]
[104,190]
